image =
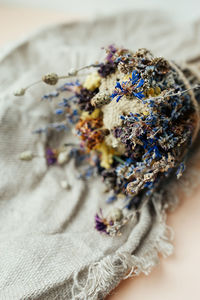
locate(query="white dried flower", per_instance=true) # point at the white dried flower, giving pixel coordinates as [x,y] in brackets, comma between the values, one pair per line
[115,214]
[20,92]
[26,155]
[65,185]
[63,157]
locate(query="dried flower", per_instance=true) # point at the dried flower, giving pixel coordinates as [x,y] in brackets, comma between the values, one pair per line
[26,155]
[51,156]
[107,68]
[59,111]
[84,97]
[89,130]
[115,215]
[50,79]
[63,157]
[92,81]
[100,222]
[129,87]
[21,92]
[65,185]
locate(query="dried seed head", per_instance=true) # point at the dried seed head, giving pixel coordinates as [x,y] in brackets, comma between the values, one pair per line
[63,157]
[65,185]
[100,99]
[21,92]
[26,155]
[115,214]
[50,79]
[73,72]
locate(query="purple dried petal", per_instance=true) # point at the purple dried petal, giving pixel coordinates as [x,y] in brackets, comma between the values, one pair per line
[50,157]
[99,224]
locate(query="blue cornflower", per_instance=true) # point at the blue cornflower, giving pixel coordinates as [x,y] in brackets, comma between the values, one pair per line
[113,95]
[50,96]
[59,126]
[141,82]
[134,77]
[118,85]
[118,98]
[125,88]
[59,111]
[75,112]
[111,199]
[139,95]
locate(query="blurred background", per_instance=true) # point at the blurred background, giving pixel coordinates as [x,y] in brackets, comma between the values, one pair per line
[19,17]
[186,9]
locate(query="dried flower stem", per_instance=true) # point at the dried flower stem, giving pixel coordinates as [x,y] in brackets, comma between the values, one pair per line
[53,78]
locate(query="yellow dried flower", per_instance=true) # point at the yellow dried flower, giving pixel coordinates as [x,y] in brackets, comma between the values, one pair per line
[92,81]
[152,92]
[145,113]
[107,153]
[106,157]
[157,90]
[94,115]
[127,77]
[26,155]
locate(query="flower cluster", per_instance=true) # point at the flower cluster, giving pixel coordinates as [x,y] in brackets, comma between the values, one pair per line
[90,132]
[110,65]
[147,142]
[112,223]
[129,87]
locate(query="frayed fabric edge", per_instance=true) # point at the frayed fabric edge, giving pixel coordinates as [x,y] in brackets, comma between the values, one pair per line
[103,276]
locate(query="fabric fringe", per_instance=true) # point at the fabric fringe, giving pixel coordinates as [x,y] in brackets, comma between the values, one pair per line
[105,275]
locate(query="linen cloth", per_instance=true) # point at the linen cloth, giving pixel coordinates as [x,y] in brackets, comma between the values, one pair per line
[49,247]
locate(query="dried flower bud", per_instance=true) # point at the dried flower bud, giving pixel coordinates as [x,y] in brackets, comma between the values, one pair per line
[100,99]
[20,92]
[73,72]
[63,157]
[50,79]
[65,185]
[26,155]
[115,214]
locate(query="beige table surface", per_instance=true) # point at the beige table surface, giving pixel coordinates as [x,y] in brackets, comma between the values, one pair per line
[177,277]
